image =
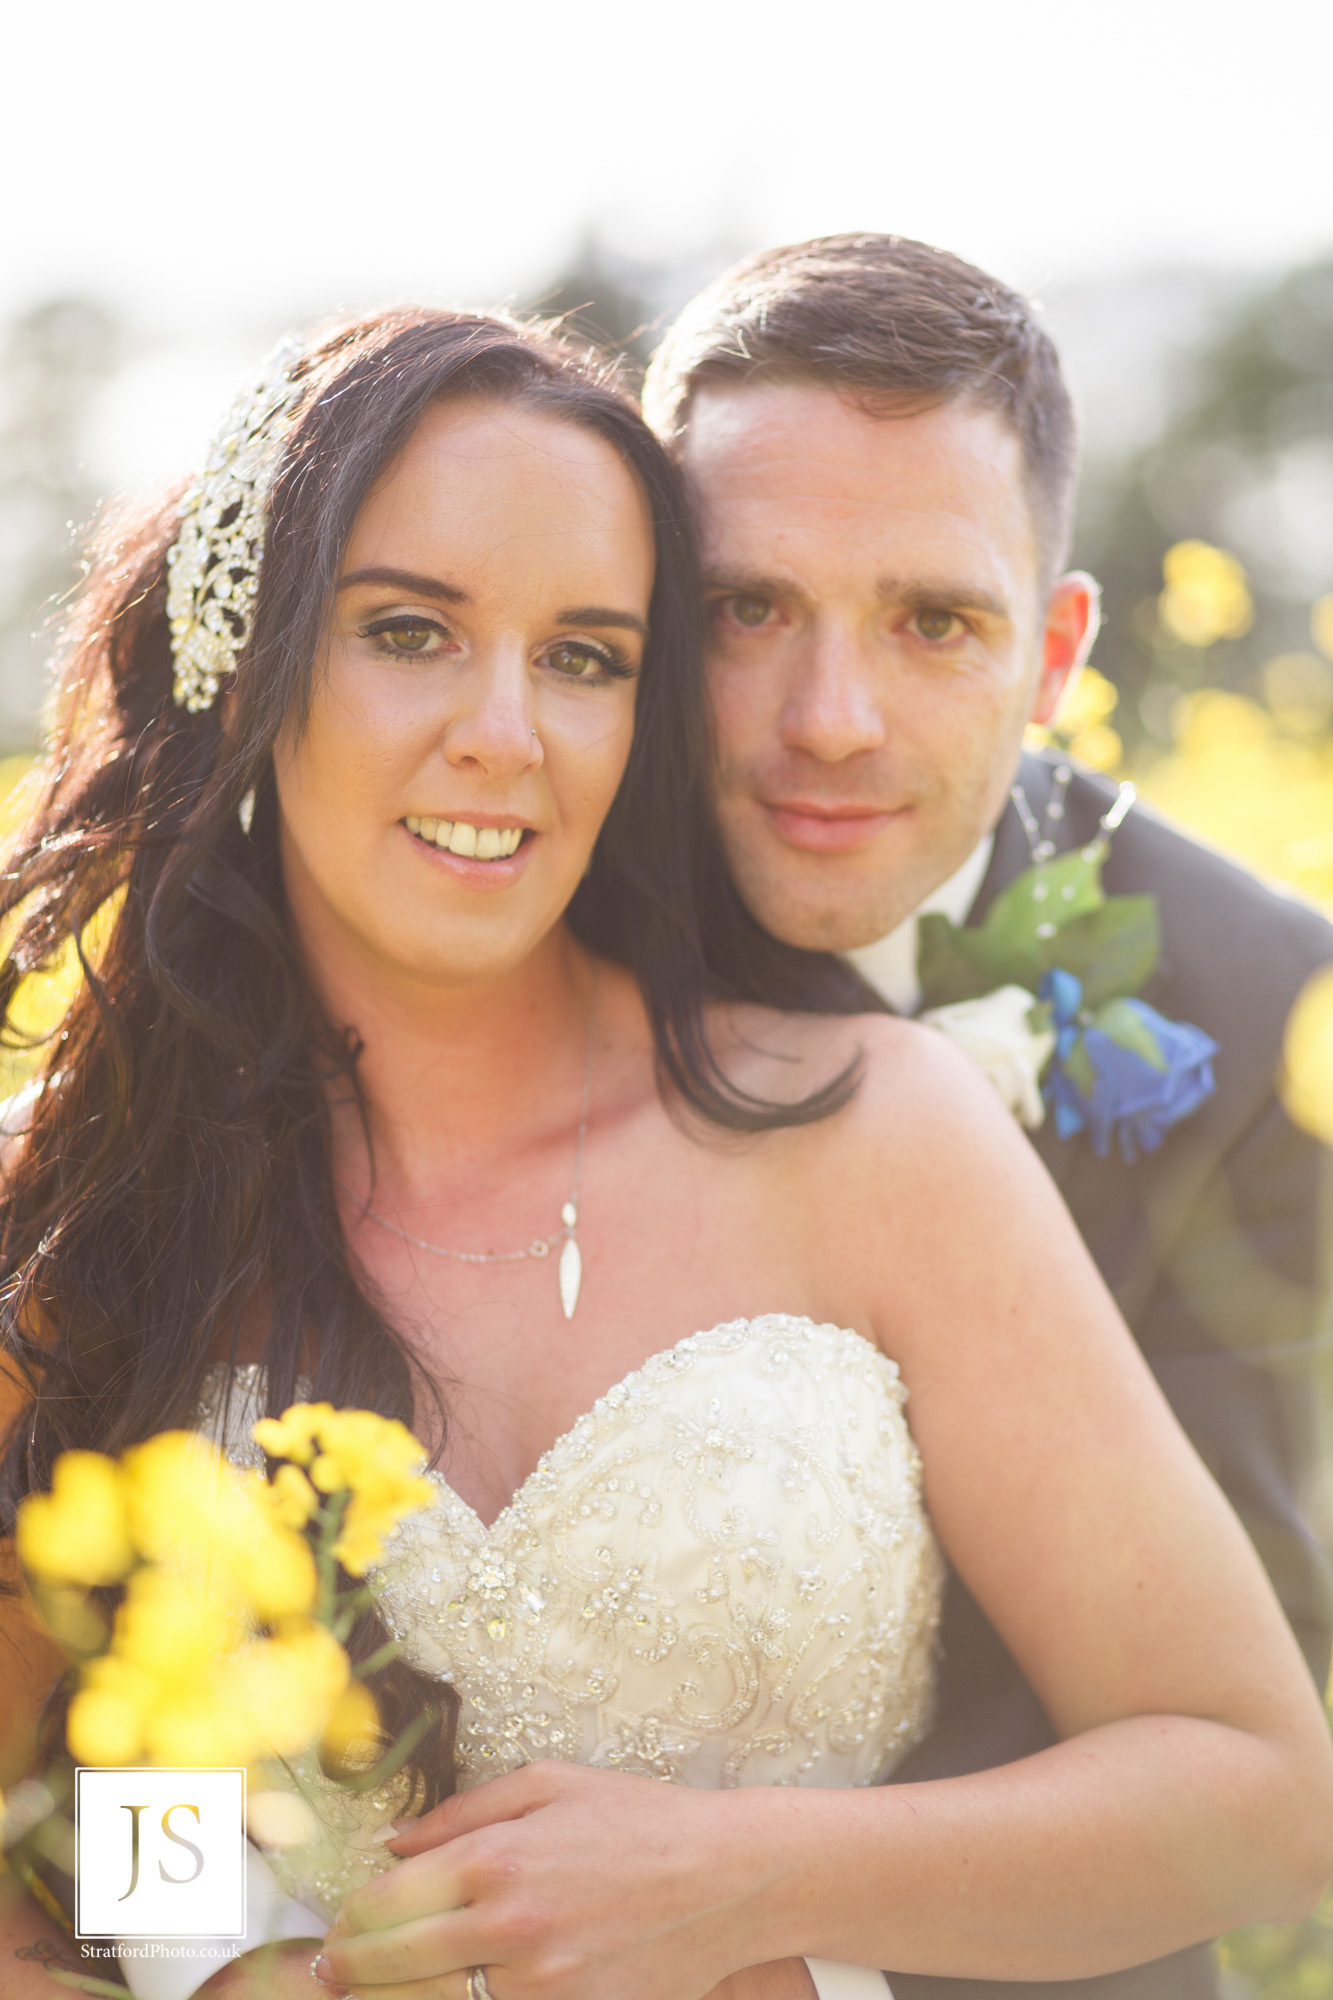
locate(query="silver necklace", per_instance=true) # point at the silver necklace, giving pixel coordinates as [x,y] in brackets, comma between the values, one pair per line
[571,1260]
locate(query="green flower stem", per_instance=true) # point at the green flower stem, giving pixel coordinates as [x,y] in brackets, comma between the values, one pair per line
[397,1755]
[349,1608]
[330,1519]
[379,1658]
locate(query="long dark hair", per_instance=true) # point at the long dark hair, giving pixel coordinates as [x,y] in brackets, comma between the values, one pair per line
[174,1191]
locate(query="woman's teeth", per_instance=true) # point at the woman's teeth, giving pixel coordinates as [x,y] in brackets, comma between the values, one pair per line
[486,843]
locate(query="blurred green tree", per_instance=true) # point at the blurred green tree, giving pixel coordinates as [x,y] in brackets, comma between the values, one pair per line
[1245,466]
[53,361]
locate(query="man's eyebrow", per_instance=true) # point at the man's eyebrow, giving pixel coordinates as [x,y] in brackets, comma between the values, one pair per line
[601,614]
[406,579]
[749,583]
[921,593]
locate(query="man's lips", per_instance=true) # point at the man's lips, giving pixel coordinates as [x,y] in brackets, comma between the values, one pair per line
[829,829]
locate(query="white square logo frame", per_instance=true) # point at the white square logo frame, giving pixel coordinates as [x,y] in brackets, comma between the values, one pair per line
[160,1852]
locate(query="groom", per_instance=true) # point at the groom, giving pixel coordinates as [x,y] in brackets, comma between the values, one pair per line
[883,451]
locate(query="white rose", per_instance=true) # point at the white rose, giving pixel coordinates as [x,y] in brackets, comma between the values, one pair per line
[997,1032]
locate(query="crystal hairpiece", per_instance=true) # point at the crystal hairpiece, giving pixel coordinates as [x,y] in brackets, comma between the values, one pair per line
[213,565]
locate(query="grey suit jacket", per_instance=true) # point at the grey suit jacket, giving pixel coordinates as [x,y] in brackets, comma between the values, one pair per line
[1217,1251]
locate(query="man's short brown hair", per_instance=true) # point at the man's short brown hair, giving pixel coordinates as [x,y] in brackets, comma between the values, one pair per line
[897,326]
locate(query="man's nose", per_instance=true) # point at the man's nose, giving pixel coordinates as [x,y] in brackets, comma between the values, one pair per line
[491,725]
[834,708]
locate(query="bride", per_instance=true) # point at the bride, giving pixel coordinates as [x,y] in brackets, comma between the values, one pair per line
[432,1064]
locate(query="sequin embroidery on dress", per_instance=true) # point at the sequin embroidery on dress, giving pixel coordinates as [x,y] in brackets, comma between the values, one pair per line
[722,1575]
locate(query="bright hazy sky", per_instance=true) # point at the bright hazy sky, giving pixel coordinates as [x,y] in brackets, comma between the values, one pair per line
[215,171]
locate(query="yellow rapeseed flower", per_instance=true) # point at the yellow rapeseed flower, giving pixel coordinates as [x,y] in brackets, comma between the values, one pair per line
[193,1511]
[274,1566]
[78,1532]
[105,1727]
[198,1729]
[174,1627]
[292,1435]
[374,1460]
[1207,595]
[378,1462]
[127,1713]
[291,1496]
[186,1500]
[286,1687]
[187,1682]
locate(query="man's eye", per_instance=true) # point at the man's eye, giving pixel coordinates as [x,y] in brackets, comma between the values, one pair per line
[403,635]
[937,625]
[750,610]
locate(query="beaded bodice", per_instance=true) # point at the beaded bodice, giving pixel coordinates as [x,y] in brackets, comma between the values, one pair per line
[722,1575]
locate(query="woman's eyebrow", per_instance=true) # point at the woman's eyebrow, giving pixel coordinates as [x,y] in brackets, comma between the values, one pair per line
[406,579]
[434,586]
[600,614]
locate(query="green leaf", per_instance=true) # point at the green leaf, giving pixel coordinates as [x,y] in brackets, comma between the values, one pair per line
[1078,1068]
[954,964]
[1113,950]
[1051,894]
[84,1982]
[1126,1027]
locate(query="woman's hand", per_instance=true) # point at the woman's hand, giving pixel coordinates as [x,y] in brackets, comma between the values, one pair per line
[784,1979]
[270,1972]
[571,1883]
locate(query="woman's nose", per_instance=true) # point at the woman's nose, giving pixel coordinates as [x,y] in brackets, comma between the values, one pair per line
[492,725]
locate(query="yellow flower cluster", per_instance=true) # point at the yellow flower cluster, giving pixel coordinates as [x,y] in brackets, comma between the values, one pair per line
[174,1502]
[184,1683]
[208,1556]
[375,1461]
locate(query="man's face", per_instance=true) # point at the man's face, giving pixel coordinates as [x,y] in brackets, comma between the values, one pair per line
[878,642]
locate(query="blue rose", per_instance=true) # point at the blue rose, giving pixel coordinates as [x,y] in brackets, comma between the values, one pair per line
[1127,1073]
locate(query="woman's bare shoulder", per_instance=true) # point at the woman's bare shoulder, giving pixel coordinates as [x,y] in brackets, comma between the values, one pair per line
[899,1065]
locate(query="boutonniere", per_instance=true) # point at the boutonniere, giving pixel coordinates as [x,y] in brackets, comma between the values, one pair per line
[1043,994]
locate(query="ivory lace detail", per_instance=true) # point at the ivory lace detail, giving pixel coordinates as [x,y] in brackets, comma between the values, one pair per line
[722,1575]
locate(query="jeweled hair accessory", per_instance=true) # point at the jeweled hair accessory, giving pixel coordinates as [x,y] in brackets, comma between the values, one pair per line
[213,565]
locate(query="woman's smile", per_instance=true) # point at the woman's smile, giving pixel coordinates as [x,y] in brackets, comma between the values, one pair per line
[477,852]
[467,837]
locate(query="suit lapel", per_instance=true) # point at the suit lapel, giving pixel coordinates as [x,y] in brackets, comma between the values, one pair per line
[1011,853]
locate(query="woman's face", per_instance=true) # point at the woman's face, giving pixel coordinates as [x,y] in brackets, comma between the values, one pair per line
[473,699]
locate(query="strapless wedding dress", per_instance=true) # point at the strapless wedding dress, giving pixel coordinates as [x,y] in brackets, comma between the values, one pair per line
[722,1575]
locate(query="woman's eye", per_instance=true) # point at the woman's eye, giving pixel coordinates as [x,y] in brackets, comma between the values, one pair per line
[937,625]
[403,635]
[749,610]
[584,662]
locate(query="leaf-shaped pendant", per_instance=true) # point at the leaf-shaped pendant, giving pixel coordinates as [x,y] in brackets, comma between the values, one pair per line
[571,1276]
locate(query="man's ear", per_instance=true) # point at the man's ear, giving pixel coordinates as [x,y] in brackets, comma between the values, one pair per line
[1073,615]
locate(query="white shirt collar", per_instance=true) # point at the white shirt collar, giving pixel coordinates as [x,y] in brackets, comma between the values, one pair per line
[889,965]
